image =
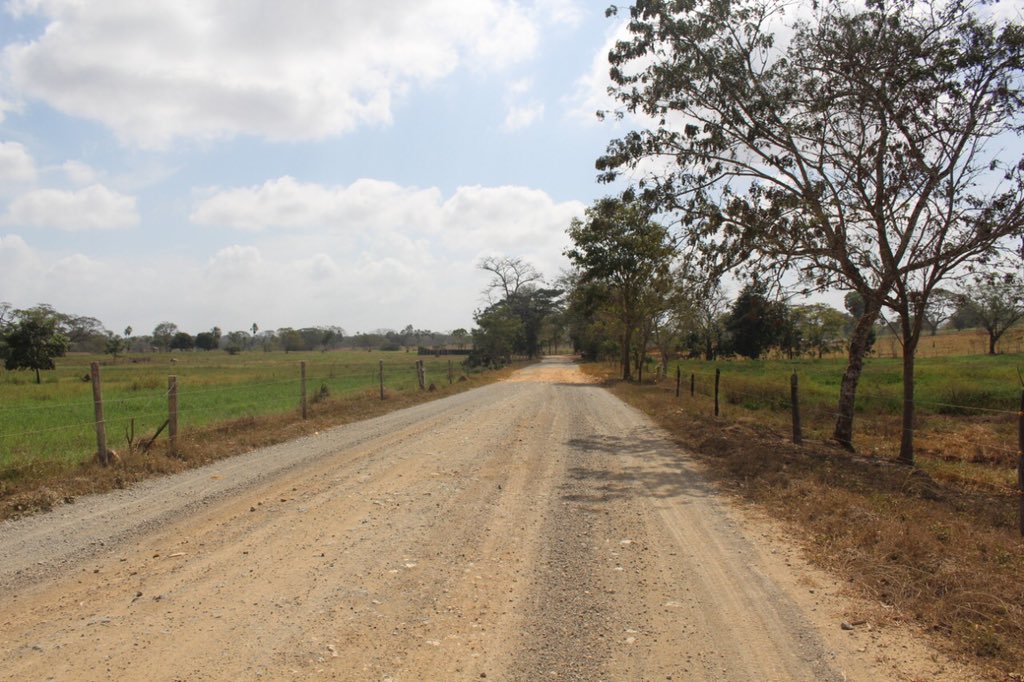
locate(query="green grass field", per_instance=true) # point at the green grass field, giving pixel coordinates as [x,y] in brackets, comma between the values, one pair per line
[54,420]
[966,406]
[967,385]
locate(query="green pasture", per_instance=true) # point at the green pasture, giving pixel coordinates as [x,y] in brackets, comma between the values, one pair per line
[54,420]
[953,385]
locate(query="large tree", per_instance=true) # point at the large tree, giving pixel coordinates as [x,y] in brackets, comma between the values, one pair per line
[182,341]
[755,323]
[515,289]
[33,340]
[163,334]
[495,334]
[821,327]
[620,245]
[997,303]
[861,152]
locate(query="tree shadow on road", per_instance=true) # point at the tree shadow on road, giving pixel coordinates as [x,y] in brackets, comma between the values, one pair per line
[631,466]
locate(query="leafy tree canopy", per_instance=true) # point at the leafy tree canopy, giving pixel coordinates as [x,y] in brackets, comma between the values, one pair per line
[862,152]
[33,340]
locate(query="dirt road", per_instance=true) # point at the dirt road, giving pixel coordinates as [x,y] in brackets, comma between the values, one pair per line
[534,529]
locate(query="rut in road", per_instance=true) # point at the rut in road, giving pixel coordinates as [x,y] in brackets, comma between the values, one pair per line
[533,529]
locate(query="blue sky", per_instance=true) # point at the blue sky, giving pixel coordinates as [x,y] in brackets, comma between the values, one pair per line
[307,163]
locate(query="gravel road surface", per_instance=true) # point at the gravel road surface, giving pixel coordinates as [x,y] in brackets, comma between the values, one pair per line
[529,530]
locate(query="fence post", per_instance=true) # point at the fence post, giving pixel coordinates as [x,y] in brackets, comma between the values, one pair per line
[1020,459]
[302,375]
[679,378]
[794,399]
[450,378]
[172,413]
[693,384]
[382,380]
[718,376]
[97,402]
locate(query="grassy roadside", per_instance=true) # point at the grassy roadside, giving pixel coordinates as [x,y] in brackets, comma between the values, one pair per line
[30,485]
[54,420]
[939,551]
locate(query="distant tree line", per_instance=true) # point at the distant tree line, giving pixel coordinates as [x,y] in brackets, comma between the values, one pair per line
[32,338]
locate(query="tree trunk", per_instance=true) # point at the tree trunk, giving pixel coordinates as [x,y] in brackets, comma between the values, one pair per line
[992,344]
[627,361]
[38,380]
[843,433]
[911,336]
[907,436]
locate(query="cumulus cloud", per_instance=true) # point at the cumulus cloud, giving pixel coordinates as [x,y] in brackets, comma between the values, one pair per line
[361,256]
[79,173]
[207,69]
[92,208]
[287,203]
[15,255]
[474,218]
[16,164]
[375,241]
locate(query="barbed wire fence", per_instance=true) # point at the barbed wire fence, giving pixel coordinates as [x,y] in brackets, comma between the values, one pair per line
[710,388]
[143,418]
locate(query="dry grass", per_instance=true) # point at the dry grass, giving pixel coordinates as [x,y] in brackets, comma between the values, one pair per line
[937,545]
[37,485]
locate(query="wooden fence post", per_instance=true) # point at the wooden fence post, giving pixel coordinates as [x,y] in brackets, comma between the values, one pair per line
[1020,459]
[794,399]
[693,384]
[718,376]
[451,379]
[302,376]
[679,378]
[97,402]
[172,413]
[382,380]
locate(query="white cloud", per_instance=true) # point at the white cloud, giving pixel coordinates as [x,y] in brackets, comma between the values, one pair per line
[521,116]
[79,173]
[386,214]
[16,165]
[235,261]
[15,257]
[288,203]
[374,242]
[92,208]
[207,69]
[520,87]
[362,256]
[591,91]
[512,221]
[560,11]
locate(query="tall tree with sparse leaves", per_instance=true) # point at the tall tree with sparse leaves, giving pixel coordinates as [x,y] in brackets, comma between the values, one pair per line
[862,152]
